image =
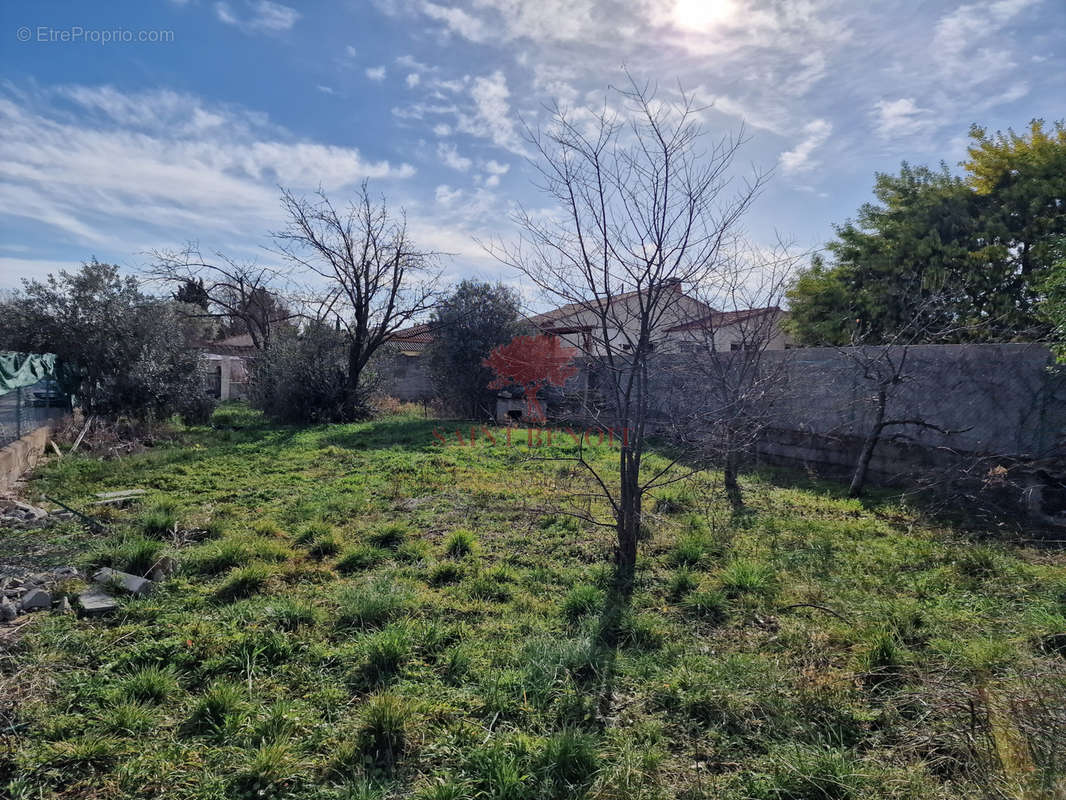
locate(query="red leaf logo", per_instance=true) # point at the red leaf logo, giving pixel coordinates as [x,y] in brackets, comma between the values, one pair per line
[532,362]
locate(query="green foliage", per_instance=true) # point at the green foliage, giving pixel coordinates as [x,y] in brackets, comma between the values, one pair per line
[134,554]
[473,319]
[391,535]
[303,376]
[745,577]
[220,710]
[382,735]
[707,605]
[939,253]
[150,685]
[124,353]
[383,653]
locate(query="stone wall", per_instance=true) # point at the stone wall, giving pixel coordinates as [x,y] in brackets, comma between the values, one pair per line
[21,456]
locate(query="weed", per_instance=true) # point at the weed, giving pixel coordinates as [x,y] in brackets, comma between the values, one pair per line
[135,554]
[290,614]
[690,550]
[219,711]
[324,545]
[444,572]
[150,685]
[159,519]
[243,582]
[361,557]
[391,535]
[383,654]
[460,543]
[682,581]
[567,763]
[270,767]
[582,600]
[373,604]
[268,528]
[128,719]
[707,605]
[743,577]
[382,735]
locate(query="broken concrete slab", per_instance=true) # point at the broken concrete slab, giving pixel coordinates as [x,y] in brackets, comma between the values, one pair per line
[8,610]
[95,604]
[121,493]
[133,584]
[35,600]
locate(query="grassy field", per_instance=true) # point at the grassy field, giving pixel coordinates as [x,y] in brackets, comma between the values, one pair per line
[362,612]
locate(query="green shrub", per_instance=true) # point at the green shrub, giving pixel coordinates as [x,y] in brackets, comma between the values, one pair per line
[460,543]
[373,604]
[361,557]
[135,554]
[312,531]
[243,582]
[324,546]
[581,600]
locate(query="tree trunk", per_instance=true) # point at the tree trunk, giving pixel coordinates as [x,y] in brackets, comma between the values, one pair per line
[628,524]
[732,485]
[353,404]
[858,478]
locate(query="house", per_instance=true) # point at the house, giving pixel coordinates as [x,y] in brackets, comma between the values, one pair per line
[225,365]
[688,326]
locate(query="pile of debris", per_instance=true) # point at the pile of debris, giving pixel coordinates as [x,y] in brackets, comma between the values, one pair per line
[16,514]
[50,591]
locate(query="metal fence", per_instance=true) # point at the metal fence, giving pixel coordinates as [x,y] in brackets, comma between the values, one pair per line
[28,408]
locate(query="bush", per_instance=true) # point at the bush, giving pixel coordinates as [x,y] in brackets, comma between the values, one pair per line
[301,377]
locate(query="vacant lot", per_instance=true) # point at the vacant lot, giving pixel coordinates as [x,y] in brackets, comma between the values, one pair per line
[361,612]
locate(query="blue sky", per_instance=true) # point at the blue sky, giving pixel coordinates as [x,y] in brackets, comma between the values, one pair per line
[114,148]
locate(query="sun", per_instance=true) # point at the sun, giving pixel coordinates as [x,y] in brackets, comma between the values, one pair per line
[703,15]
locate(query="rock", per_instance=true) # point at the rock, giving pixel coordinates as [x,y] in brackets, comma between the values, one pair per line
[31,512]
[132,584]
[163,568]
[65,572]
[63,607]
[96,603]
[35,600]
[7,610]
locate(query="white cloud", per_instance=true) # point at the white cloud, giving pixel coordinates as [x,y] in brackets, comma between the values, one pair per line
[445,195]
[264,16]
[495,167]
[902,117]
[440,129]
[457,21]
[492,112]
[413,79]
[798,159]
[449,156]
[961,37]
[157,165]
[375,73]
[350,51]
[325,89]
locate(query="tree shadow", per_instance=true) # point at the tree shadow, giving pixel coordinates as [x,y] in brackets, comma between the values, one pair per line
[607,639]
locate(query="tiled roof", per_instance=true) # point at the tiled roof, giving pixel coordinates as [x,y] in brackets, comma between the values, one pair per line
[720,319]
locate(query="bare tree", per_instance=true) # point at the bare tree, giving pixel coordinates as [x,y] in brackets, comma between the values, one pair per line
[646,203]
[365,274]
[886,370]
[724,383]
[241,293]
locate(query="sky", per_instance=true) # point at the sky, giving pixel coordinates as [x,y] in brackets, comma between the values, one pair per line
[128,127]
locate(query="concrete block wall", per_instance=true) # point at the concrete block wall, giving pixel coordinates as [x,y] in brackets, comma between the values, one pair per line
[21,456]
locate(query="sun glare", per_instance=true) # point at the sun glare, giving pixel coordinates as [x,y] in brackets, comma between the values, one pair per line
[703,15]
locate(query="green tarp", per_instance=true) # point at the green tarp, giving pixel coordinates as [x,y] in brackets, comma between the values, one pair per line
[24,369]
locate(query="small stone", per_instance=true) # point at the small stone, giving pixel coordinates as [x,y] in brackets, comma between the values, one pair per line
[7,610]
[31,512]
[65,572]
[163,568]
[133,584]
[63,607]
[35,600]
[95,604]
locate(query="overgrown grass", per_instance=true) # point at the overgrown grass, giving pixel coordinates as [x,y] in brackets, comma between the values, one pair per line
[364,613]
